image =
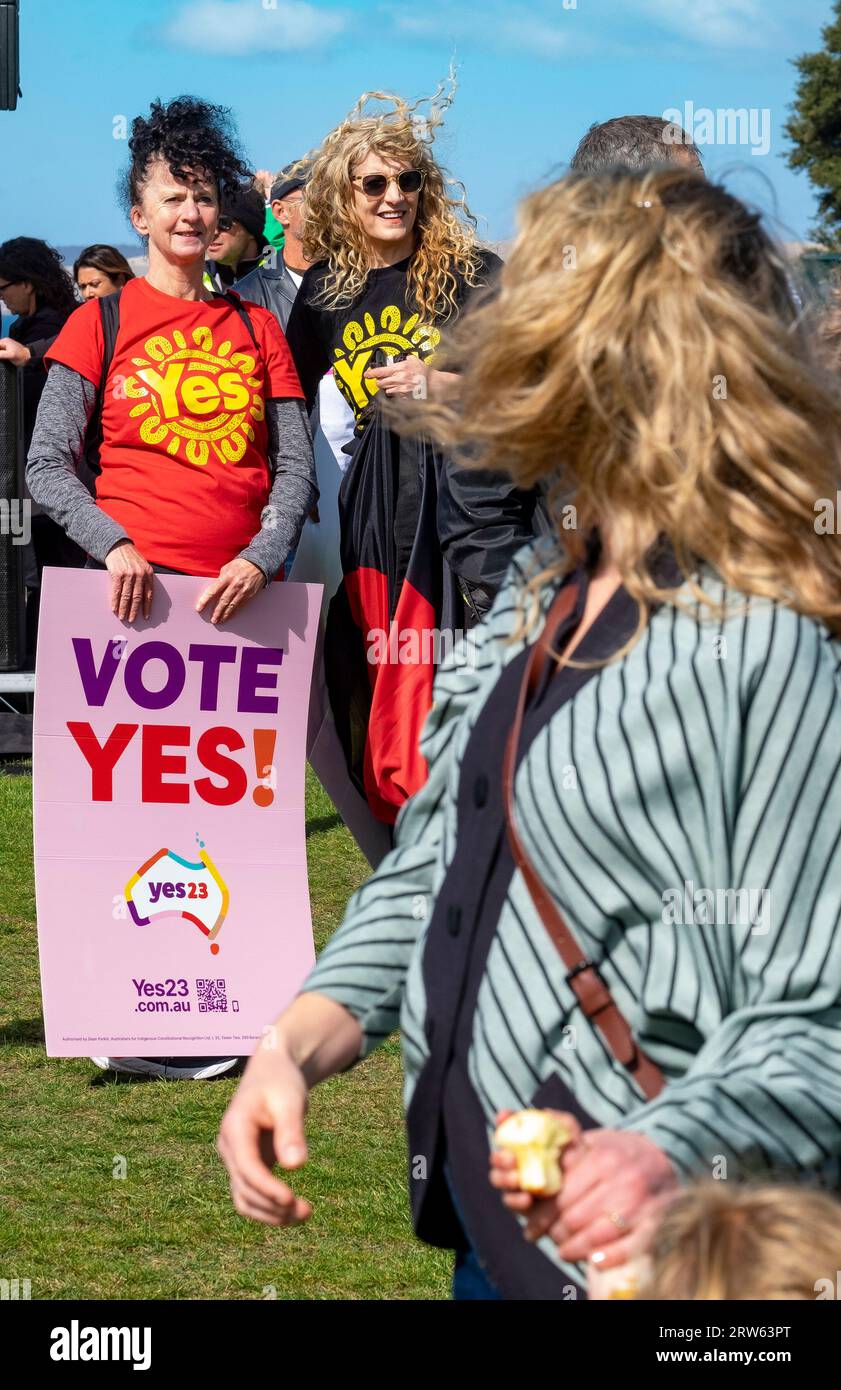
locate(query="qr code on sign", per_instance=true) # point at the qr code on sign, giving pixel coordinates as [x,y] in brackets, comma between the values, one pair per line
[211,996]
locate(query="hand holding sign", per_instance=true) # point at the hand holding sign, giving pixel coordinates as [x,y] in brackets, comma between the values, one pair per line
[238,581]
[132,579]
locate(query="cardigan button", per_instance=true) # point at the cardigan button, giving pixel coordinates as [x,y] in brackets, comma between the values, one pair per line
[480,790]
[453,919]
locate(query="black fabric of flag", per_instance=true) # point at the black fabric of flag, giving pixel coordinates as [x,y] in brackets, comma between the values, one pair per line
[395,613]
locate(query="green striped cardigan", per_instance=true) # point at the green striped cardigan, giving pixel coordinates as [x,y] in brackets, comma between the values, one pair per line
[685,810]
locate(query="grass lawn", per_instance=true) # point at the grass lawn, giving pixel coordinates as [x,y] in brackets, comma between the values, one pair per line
[168,1230]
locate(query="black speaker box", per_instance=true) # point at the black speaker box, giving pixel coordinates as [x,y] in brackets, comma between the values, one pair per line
[9,54]
[12,649]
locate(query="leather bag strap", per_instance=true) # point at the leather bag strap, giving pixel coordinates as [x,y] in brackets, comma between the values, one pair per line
[597,1003]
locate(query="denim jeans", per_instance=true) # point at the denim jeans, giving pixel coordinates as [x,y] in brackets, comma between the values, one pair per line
[470,1281]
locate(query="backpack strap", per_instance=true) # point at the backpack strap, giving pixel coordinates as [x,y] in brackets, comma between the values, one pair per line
[109,313]
[242,313]
[109,317]
[597,1003]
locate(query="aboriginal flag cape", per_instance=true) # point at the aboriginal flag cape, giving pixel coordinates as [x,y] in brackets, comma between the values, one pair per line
[394,616]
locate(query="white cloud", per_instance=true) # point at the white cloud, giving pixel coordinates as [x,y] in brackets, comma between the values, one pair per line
[239,27]
[540,28]
[611,29]
[510,28]
[714,23]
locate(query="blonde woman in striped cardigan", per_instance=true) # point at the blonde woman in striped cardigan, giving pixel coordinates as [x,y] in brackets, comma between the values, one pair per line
[677,784]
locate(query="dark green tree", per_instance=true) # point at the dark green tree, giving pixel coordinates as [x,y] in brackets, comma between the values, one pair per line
[815,128]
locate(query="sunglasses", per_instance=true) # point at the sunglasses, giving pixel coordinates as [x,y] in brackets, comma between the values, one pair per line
[225,224]
[8,285]
[375,185]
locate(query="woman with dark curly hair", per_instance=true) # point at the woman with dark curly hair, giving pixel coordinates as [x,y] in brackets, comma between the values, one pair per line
[35,286]
[206,456]
[101,270]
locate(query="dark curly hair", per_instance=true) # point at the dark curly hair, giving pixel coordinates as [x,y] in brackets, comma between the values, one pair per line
[192,136]
[27,258]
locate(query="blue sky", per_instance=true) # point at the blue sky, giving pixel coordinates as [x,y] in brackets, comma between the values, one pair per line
[532,77]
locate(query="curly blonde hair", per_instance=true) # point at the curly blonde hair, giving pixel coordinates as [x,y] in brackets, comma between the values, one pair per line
[645,360]
[446,248]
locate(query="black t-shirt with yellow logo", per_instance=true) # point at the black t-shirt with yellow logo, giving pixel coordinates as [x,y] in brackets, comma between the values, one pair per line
[345,340]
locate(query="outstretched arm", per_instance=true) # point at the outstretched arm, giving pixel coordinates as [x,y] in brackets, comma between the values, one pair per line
[351,1001]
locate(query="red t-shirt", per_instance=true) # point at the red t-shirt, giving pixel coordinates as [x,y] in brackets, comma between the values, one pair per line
[183,458]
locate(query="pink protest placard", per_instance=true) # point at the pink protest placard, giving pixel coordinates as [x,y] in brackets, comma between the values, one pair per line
[170,859]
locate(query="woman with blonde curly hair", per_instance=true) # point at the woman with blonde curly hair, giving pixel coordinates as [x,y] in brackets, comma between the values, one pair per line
[396,259]
[618,894]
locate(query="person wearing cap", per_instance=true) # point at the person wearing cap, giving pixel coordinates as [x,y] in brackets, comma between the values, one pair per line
[275,283]
[237,247]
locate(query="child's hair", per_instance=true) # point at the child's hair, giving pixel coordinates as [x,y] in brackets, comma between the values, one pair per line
[724,1241]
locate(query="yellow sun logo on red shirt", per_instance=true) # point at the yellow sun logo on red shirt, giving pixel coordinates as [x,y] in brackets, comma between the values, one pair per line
[196,397]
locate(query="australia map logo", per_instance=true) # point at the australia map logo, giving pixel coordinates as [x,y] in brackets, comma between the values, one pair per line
[169,886]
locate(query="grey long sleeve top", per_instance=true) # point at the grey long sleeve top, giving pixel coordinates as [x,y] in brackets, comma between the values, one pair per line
[66,407]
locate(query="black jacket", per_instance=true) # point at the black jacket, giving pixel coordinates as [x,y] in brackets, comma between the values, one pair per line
[483,520]
[37,332]
[220,277]
[275,290]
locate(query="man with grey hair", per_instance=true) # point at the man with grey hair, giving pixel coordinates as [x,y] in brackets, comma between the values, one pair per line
[634,142]
[483,518]
[275,283]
